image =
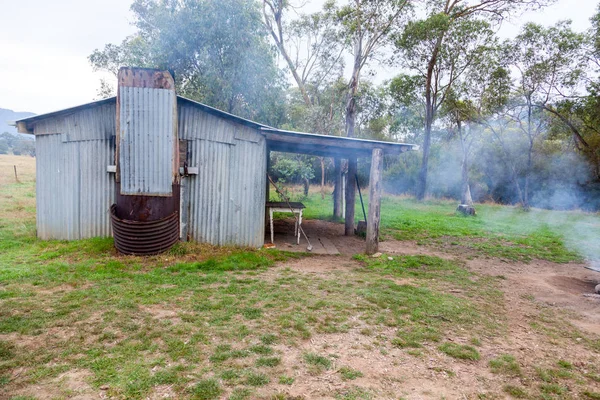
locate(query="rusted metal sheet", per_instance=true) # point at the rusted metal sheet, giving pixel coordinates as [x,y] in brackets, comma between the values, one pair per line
[144,238]
[147,208]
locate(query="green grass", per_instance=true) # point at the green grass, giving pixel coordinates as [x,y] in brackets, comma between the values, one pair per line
[460,351]
[506,365]
[515,391]
[496,231]
[349,374]
[206,389]
[317,361]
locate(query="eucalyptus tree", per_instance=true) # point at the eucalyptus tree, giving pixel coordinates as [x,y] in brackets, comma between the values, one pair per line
[548,66]
[368,24]
[218,51]
[422,46]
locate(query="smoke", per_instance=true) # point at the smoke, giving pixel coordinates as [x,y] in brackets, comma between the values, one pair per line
[560,184]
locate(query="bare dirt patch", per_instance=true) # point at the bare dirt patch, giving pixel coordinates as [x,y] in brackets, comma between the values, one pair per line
[161,313]
[72,384]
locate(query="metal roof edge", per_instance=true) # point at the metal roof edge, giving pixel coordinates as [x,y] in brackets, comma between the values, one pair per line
[224,114]
[69,110]
[316,135]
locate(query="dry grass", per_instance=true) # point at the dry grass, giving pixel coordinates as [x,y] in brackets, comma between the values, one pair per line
[25,169]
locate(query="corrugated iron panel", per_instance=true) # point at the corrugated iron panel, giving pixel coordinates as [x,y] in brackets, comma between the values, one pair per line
[89,124]
[226,199]
[146,140]
[197,124]
[73,189]
[209,191]
[247,188]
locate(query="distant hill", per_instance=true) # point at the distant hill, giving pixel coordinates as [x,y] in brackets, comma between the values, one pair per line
[10,115]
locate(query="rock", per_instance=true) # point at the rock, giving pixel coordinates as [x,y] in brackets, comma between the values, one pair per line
[391,258]
[597,288]
[466,209]
[376,255]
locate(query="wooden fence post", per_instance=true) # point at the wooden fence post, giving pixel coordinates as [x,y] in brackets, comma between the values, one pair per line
[350,196]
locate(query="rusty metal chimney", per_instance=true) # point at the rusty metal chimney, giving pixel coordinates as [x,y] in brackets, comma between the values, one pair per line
[145,216]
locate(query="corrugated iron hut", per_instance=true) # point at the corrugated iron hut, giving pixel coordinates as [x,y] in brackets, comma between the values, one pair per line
[149,147]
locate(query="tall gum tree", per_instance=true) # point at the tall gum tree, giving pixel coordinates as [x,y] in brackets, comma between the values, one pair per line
[423,42]
[368,25]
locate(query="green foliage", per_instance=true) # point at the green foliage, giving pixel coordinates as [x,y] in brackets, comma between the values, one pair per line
[231,68]
[256,379]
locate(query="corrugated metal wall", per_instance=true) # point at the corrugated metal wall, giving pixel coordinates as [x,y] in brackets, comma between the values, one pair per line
[73,189]
[226,200]
[146,148]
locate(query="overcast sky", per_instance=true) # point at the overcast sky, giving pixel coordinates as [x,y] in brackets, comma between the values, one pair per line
[44,45]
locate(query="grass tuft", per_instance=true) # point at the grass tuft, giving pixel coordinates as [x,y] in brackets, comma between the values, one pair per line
[506,365]
[349,374]
[460,351]
[321,362]
[206,389]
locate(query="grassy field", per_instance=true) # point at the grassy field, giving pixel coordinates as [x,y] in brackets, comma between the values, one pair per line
[497,231]
[199,322]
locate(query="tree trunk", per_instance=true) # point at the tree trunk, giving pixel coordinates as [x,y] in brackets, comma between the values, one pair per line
[350,196]
[352,89]
[430,108]
[465,193]
[337,190]
[306,184]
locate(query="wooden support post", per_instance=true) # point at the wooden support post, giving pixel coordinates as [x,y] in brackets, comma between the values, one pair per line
[267,197]
[16,177]
[350,196]
[337,190]
[374,216]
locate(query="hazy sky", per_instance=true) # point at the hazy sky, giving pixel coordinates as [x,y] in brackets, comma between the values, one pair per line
[44,45]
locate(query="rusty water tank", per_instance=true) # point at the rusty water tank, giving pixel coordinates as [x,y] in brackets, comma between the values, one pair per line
[145,216]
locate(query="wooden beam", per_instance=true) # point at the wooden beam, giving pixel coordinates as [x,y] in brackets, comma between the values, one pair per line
[350,197]
[374,216]
[23,128]
[337,189]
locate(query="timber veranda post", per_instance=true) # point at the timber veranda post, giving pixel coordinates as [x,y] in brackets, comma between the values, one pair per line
[350,196]
[337,191]
[374,217]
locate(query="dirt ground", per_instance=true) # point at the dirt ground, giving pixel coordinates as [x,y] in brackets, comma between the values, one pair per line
[528,288]
[396,374]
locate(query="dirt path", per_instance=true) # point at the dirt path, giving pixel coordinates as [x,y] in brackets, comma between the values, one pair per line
[529,289]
